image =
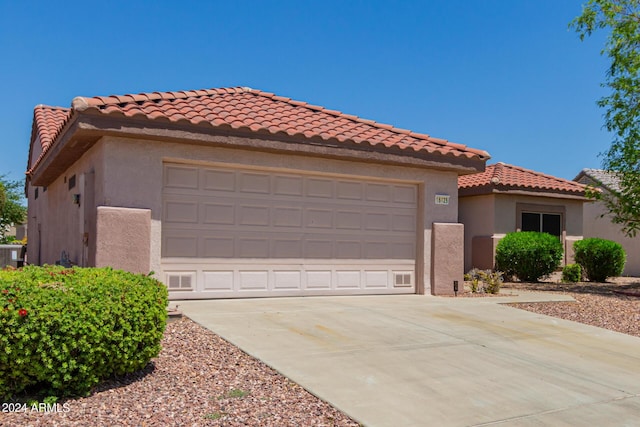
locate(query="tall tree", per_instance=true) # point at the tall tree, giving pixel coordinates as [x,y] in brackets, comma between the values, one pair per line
[621,19]
[11,209]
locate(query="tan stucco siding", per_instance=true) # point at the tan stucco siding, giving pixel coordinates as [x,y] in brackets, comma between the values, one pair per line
[128,173]
[477,213]
[506,212]
[58,223]
[133,178]
[488,218]
[602,227]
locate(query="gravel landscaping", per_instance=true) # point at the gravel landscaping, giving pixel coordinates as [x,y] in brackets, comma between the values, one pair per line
[201,380]
[198,379]
[614,305]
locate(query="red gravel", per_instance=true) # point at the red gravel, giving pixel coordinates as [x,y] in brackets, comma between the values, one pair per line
[197,380]
[201,380]
[606,305]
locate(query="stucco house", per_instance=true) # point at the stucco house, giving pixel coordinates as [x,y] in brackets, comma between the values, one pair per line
[236,192]
[597,222]
[506,198]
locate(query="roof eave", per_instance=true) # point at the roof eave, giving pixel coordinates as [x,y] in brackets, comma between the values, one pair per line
[540,192]
[86,127]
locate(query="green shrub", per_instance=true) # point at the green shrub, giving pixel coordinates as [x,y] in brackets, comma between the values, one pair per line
[572,273]
[529,255]
[63,330]
[599,258]
[484,281]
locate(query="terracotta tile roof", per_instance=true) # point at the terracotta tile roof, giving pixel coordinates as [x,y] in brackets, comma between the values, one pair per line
[504,177]
[246,109]
[49,121]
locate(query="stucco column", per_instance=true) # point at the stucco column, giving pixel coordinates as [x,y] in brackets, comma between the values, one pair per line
[447,258]
[123,239]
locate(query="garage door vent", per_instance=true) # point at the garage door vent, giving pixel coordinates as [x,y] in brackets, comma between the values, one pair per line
[180,281]
[402,280]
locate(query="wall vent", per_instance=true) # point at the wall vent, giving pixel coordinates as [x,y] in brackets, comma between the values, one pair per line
[401,279]
[180,281]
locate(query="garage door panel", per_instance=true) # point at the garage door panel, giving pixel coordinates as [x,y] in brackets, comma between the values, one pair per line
[218,281]
[253,248]
[219,180]
[322,188]
[288,185]
[348,249]
[289,280]
[318,218]
[285,248]
[349,190]
[253,215]
[378,192]
[318,280]
[401,250]
[252,233]
[404,222]
[219,213]
[287,217]
[377,221]
[347,279]
[184,246]
[404,194]
[348,220]
[181,177]
[376,279]
[219,247]
[253,280]
[259,183]
[181,211]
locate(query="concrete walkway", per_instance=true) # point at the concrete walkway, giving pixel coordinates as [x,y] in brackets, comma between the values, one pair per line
[426,361]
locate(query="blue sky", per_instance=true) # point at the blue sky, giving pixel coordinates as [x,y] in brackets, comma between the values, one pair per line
[506,76]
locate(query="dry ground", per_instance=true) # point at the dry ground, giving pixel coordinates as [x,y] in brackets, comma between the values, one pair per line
[201,380]
[614,305]
[198,379]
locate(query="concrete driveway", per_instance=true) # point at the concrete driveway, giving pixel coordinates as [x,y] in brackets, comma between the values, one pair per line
[426,361]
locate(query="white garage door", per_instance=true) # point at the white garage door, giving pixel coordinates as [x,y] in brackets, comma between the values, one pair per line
[246,233]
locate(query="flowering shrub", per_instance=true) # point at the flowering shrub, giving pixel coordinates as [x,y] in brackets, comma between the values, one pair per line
[62,330]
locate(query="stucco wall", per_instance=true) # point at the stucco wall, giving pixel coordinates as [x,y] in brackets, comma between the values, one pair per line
[128,173]
[123,236]
[448,259]
[488,218]
[59,224]
[477,213]
[133,178]
[595,226]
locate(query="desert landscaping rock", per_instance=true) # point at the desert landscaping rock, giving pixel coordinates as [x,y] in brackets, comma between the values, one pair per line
[605,305]
[199,379]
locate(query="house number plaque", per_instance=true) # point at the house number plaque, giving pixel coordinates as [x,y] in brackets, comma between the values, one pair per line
[442,199]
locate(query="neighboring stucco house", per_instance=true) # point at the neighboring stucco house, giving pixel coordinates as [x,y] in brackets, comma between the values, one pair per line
[506,198]
[236,192]
[596,225]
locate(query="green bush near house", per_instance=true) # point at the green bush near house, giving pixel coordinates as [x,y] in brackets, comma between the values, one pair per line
[63,330]
[599,258]
[571,273]
[529,255]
